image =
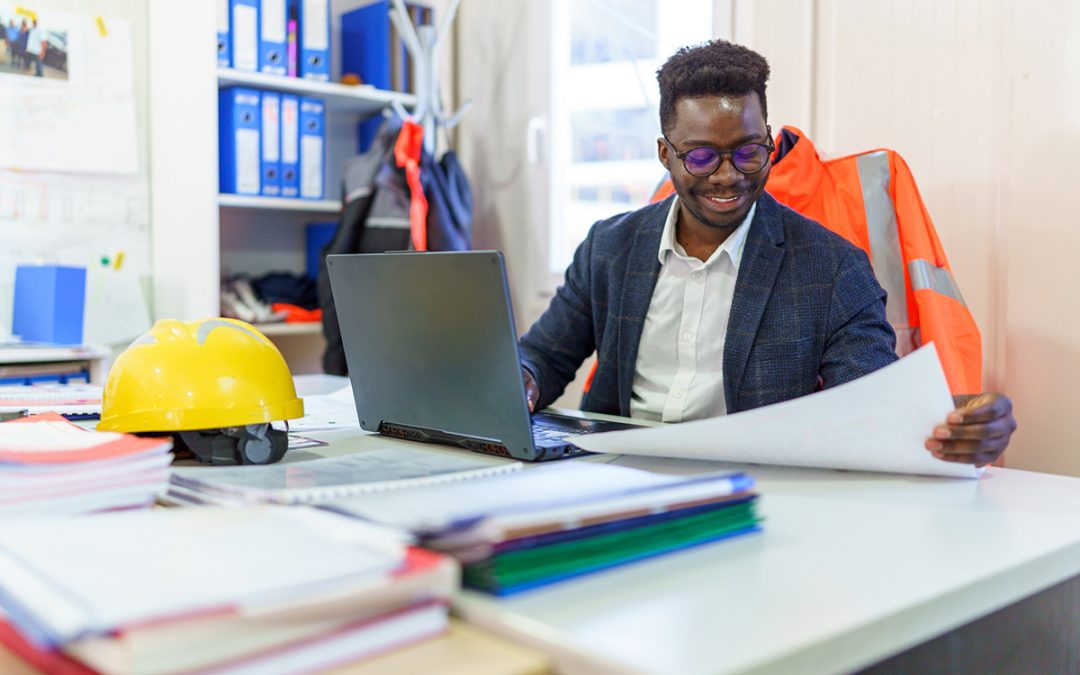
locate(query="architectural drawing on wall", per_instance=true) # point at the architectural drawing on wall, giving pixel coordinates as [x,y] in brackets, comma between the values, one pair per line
[73,219]
[79,115]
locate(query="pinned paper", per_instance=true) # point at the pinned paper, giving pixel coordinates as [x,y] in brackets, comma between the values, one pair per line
[116,309]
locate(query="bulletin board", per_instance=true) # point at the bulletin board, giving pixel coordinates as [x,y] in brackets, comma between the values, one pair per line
[74,186]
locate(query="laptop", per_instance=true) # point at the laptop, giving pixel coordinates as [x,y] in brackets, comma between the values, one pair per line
[432,354]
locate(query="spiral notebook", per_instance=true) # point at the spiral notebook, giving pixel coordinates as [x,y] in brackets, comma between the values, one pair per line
[331,478]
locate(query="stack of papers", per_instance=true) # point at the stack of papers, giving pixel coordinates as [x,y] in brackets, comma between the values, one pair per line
[50,466]
[534,527]
[259,590]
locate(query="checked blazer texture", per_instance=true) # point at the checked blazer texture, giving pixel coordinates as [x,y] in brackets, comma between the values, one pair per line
[807,312]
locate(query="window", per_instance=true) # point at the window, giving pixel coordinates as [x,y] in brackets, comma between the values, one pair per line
[603,108]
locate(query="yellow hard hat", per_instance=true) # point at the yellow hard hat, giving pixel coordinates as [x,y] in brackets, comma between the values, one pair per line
[198,375]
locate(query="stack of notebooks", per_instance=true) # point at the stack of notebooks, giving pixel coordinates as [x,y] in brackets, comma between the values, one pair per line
[512,527]
[79,401]
[50,466]
[255,590]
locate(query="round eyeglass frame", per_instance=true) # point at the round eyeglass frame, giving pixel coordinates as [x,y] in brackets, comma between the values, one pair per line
[721,155]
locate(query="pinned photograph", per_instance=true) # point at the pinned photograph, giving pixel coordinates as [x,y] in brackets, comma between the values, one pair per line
[30,46]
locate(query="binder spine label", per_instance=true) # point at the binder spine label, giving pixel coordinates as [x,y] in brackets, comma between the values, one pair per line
[316,27]
[311,152]
[245,30]
[290,146]
[247,161]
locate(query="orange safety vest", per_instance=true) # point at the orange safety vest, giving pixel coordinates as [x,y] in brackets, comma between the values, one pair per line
[870,199]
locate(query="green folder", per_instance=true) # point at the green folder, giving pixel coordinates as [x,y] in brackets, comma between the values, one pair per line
[520,569]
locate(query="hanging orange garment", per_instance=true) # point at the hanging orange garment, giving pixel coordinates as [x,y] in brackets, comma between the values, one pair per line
[870,199]
[407,150]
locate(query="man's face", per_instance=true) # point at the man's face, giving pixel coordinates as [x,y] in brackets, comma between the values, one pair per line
[722,123]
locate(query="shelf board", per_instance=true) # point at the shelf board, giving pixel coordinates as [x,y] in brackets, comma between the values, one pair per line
[359,99]
[300,328]
[279,203]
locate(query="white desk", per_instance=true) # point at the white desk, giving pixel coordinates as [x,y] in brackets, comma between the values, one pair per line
[851,569]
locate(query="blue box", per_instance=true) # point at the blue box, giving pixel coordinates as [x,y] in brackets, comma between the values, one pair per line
[318,236]
[372,50]
[49,304]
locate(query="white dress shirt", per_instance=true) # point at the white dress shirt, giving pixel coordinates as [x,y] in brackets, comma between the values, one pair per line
[679,374]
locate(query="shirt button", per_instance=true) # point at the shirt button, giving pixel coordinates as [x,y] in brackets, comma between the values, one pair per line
[688,335]
[678,393]
[697,274]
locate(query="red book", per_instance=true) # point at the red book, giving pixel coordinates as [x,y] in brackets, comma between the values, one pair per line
[53,662]
[49,438]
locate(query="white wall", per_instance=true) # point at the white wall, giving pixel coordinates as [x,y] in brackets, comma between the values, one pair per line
[981,98]
[183,158]
[1038,287]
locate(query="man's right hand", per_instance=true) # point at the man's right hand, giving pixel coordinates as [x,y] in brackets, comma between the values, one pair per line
[532,392]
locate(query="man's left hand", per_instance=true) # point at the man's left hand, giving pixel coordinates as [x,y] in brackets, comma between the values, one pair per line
[977,432]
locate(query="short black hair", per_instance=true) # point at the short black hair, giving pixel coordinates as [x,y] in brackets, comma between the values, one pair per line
[717,68]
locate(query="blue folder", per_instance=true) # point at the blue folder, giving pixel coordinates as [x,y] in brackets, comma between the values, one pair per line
[238,140]
[224,51]
[244,34]
[312,148]
[270,159]
[272,37]
[315,39]
[290,145]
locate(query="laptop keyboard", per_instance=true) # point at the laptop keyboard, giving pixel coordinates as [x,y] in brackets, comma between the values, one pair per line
[552,433]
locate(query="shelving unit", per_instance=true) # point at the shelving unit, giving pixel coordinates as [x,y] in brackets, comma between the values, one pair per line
[272,330]
[227,200]
[340,98]
[199,233]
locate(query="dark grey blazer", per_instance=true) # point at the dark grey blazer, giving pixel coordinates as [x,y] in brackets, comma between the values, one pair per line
[807,312]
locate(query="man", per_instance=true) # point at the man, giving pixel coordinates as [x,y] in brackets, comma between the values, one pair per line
[35,50]
[720,299]
[20,44]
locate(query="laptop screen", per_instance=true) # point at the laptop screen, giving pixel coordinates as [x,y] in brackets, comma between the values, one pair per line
[430,343]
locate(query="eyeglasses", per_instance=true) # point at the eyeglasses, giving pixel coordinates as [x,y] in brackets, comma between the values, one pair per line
[703,161]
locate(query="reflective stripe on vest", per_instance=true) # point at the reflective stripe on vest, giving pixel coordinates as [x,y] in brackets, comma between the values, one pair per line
[885,255]
[925,274]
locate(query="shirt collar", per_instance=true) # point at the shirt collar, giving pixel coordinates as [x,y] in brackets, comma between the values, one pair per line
[732,246]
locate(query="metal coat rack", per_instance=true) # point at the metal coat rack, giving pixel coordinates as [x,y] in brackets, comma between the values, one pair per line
[423,46]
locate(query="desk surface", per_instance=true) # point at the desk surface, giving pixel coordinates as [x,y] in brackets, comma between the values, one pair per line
[851,568]
[463,650]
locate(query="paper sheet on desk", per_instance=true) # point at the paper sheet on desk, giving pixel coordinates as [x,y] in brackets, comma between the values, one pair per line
[336,410]
[876,423]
